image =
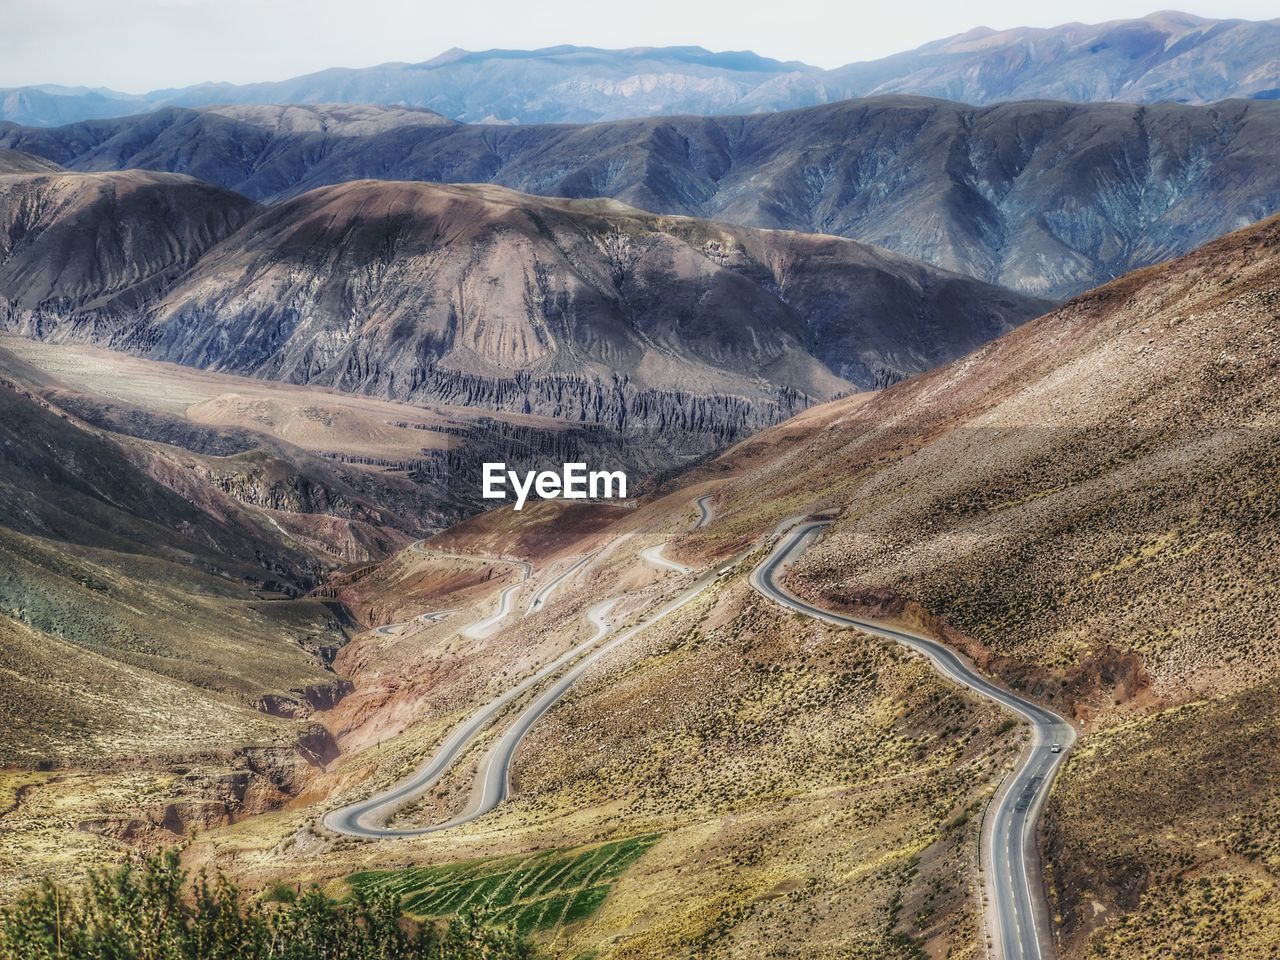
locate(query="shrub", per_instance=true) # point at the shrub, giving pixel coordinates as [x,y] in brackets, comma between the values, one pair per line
[154,911]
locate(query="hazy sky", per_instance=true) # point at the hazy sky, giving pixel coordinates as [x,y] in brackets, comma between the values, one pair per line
[139,45]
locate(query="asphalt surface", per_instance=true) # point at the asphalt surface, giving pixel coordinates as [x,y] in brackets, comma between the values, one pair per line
[493,781]
[653,556]
[364,819]
[541,598]
[704,512]
[1017,912]
[391,629]
[367,818]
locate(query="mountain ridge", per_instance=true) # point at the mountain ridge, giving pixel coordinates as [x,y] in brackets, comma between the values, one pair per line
[1048,198]
[1166,56]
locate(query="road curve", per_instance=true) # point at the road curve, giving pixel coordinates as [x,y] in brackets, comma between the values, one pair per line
[653,556]
[1017,911]
[365,819]
[392,629]
[362,819]
[506,603]
[543,595]
[703,504]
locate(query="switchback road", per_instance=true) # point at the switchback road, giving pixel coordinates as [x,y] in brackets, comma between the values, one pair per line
[1017,910]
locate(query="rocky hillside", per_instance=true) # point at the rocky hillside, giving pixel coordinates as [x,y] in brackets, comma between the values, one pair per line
[112,581]
[1161,57]
[103,244]
[1046,198]
[15,161]
[1092,516]
[482,297]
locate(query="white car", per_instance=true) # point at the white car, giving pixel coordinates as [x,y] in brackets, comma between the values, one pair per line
[1056,748]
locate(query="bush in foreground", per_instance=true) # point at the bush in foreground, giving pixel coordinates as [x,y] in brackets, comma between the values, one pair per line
[155,912]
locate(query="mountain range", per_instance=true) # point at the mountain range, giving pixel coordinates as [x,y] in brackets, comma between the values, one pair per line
[590,311]
[1163,57]
[994,380]
[1086,508]
[1046,198]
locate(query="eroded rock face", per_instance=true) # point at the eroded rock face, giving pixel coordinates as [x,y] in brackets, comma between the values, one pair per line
[586,311]
[206,796]
[102,244]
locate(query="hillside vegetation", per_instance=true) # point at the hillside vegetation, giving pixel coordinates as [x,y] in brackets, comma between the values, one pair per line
[155,909]
[1088,507]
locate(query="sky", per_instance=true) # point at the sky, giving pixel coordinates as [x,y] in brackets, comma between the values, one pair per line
[141,45]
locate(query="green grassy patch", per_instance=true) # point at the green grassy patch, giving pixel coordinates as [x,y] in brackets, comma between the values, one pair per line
[541,891]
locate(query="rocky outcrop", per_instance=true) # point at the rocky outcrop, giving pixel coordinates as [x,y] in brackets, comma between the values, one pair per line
[206,796]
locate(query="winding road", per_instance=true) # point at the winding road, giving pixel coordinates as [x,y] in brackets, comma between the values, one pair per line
[703,504]
[544,594]
[1017,910]
[506,603]
[367,818]
[653,556]
[364,819]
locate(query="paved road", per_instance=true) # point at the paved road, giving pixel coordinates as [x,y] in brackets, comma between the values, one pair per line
[1018,913]
[364,819]
[704,512]
[653,556]
[489,625]
[391,629]
[543,595]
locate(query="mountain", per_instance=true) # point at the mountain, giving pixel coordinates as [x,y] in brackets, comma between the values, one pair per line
[136,622]
[1163,57]
[49,106]
[476,295]
[1091,516]
[15,161]
[563,84]
[1086,508]
[1046,198]
[105,243]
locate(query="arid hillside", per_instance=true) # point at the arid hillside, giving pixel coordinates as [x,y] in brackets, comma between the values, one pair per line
[104,245]
[112,579]
[1088,507]
[425,290]
[159,660]
[15,161]
[1082,506]
[749,757]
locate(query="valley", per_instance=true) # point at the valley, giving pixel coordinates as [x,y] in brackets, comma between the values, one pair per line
[693,709]
[612,504]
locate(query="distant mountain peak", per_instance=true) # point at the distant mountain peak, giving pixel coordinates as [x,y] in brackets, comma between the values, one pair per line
[1168,55]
